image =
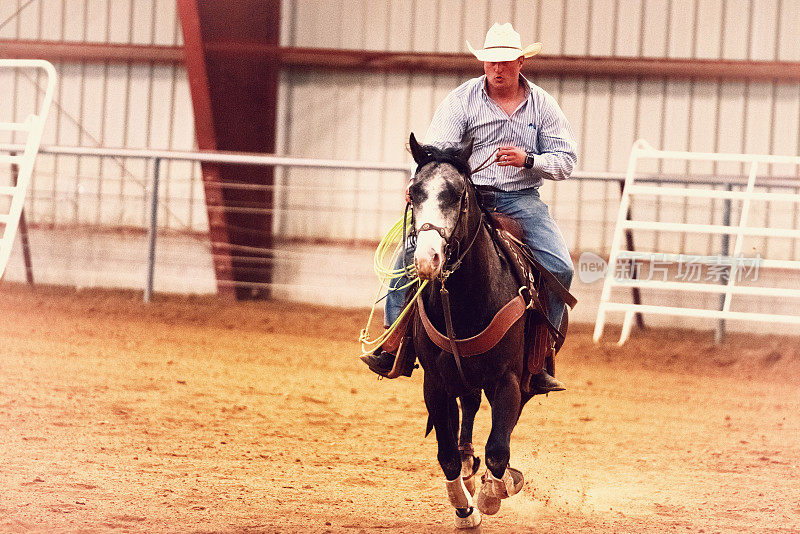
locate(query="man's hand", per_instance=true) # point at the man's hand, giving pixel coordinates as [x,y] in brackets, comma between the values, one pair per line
[510,155]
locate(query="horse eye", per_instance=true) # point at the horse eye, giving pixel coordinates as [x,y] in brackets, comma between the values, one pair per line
[449,196]
[417,193]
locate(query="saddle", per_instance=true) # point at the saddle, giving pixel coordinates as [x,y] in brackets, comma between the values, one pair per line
[542,339]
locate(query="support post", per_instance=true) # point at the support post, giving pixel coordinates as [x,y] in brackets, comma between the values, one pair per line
[235,102]
[719,332]
[637,296]
[23,231]
[152,233]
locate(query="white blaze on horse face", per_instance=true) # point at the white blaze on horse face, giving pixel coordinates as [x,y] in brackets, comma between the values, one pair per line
[429,255]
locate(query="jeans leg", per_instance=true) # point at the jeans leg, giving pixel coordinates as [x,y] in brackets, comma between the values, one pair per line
[396,298]
[543,237]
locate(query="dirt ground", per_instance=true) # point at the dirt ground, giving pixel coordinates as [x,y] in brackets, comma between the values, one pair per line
[193,415]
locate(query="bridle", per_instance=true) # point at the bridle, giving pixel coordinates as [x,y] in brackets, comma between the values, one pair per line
[452,243]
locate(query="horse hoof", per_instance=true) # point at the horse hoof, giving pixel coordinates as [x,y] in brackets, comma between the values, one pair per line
[493,489]
[505,487]
[487,504]
[513,481]
[469,468]
[471,520]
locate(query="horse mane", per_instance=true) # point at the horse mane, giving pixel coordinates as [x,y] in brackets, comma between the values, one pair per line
[452,154]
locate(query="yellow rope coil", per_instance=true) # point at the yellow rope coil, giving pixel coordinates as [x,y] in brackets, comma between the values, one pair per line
[389,249]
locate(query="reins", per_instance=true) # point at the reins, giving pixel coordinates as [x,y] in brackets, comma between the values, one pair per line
[486,164]
[445,295]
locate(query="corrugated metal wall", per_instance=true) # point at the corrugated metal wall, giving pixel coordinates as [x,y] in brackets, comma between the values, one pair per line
[368,116]
[733,116]
[727,29]
[111,105]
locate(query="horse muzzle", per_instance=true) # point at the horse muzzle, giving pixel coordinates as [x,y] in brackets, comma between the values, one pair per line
[429,265]
[429,256]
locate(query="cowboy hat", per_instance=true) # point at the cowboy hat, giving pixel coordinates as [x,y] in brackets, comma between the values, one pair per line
[503,44]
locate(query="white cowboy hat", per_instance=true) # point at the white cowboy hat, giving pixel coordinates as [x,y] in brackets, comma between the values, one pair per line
[503,44]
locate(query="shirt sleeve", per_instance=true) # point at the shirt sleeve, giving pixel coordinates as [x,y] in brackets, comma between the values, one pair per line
[555,143]
[448,124]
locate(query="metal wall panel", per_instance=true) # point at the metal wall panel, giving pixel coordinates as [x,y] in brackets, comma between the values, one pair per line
[112,105]
[105,21]
[352,115]
[726,29]
[606,115]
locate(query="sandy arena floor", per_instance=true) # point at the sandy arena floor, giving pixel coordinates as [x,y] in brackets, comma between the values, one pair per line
[192,415]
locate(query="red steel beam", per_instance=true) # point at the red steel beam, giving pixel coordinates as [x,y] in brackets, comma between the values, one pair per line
[235,100]
[206,140]
[577,66]
[380,61]
[90,52]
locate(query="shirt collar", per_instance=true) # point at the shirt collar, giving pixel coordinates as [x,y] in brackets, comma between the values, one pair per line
[526,85]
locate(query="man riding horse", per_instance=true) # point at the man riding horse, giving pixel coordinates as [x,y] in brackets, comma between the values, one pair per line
[505,113]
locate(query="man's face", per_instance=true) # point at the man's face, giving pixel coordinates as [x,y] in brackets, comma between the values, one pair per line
[502,74]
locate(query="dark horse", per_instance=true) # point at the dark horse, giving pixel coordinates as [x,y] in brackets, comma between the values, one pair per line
[455,249]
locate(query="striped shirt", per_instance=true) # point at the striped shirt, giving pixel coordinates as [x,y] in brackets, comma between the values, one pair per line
[538,126]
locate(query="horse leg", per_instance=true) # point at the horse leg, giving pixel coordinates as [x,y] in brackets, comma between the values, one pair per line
[501,481]
[443,413]
[469,462]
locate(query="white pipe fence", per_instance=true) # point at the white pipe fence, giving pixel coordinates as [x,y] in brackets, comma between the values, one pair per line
[730,263]
[577,223]
[32,127]
[155,158]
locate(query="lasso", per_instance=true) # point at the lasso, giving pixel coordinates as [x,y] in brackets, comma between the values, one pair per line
[391,246]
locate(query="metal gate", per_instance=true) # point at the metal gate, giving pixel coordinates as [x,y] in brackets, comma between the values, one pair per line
[32,127]
[731,263]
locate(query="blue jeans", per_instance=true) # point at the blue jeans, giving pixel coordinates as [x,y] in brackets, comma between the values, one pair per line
[541,234]
[396,298]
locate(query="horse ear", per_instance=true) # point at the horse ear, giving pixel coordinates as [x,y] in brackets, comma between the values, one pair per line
[466,150]
[416,150]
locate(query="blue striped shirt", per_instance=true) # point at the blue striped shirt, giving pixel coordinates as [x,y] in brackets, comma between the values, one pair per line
[537,126]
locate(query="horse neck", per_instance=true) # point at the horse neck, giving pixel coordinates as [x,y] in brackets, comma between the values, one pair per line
[476,288]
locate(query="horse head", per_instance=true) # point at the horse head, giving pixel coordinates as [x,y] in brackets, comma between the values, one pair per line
[439,198]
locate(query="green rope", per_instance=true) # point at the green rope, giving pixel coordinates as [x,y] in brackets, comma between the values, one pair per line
[386,254]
